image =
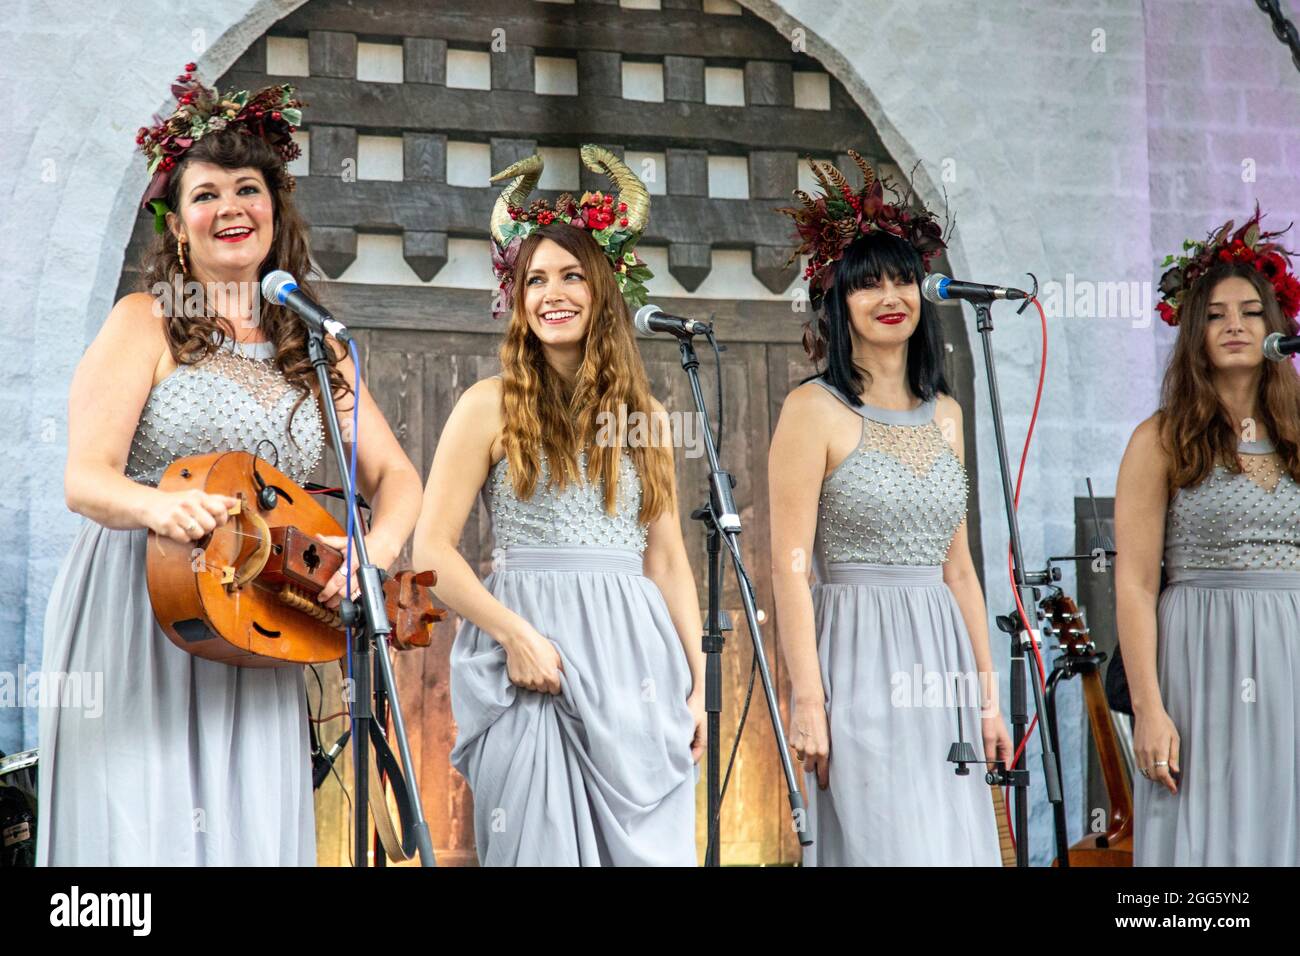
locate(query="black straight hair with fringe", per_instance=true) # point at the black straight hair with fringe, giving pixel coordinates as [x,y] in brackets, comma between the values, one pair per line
[864,263]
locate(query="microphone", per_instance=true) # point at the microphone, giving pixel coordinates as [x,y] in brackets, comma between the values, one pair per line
[939,288]
[651,319]
[282,289]
[1278,346]
[322,764]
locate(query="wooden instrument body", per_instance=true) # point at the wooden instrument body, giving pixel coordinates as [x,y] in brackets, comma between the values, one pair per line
[249,625]
[1114,845]
[1006,845]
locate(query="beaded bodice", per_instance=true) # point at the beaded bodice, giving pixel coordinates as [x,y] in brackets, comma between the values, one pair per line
[1247,521]
[898,497]
[574,517]
[233,400]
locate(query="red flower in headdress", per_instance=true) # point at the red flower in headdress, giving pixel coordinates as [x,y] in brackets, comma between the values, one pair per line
[271,114]
[827,225]
[1248,245]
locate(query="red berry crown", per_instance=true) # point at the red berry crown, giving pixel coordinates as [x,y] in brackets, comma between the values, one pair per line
[594,211]
[1247,245]
[602,215]
[271,114]
[827,225]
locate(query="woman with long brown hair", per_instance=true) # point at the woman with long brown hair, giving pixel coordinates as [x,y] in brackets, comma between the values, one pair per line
[1211,482]
[181,760]
[577,674]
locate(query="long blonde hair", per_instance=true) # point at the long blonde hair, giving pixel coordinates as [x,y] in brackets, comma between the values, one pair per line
[544,414]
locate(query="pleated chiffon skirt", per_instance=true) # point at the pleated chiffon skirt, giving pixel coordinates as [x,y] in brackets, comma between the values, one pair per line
[151,756]
[1228,662]
[600,774]
[892,646]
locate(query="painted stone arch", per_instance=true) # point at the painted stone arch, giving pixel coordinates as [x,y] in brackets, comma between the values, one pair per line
[412,106]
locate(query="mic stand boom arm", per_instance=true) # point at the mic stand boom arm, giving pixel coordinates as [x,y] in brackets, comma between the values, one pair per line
[722,523]
[372,618]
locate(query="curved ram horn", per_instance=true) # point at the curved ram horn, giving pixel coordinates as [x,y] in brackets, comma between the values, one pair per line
[524,176]
[630,189]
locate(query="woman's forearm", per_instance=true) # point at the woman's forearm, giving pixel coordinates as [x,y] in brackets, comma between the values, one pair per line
[460,589]
[107,497]
[797,631]
[974,613]
[1135,614]
[396,508]
[677,585]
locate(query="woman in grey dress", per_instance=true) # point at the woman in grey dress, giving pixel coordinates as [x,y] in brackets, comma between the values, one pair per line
[179,760]
[1209,483]
[576,675]
[866,476]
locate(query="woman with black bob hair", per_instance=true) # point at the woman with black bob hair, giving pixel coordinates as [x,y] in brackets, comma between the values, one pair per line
[889,637]
[865,261]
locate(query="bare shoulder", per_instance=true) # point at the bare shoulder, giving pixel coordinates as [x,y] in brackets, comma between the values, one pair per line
[137,315]
[808,425]
[947,407]
[808,404]
[132,338]
[1146,442]
[478,418]
[483,397]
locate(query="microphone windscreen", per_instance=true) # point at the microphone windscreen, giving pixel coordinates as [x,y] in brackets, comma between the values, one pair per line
[932,287]
[276,285]
[1271,350]
[642,318]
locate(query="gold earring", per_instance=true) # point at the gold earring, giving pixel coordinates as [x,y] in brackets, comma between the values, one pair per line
[180,253]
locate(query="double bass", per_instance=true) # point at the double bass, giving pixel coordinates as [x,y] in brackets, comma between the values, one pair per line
[245,593]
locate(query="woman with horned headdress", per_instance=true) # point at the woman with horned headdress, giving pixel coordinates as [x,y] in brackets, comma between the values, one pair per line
[1211,484]
[577,674]
[866,475]
[178,760]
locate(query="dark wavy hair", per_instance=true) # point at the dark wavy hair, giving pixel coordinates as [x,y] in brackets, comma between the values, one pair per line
[190,337]
[864,262]
[1194,426]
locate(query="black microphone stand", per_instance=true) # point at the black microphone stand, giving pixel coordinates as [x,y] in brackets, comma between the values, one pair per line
[371,627]
[1017,776]
[722,524]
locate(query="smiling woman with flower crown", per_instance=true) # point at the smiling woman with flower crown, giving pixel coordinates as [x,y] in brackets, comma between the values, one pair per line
[577,676]
[194,762]
[867,466]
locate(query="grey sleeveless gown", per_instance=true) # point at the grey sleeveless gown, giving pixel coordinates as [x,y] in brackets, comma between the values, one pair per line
[890,640]
[601,774]
[180,761]
[1228,664]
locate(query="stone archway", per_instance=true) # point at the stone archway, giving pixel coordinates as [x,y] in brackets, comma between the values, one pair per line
[237,27]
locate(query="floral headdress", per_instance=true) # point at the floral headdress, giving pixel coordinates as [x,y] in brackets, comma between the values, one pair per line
[616,222]
[1247,245]
[271,113]
[829,224]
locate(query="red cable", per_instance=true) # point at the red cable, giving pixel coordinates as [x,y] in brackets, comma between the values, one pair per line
[1024,616]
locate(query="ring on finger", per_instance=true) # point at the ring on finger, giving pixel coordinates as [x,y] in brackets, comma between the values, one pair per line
[1160,763]
[1145,772]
